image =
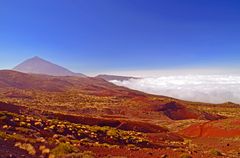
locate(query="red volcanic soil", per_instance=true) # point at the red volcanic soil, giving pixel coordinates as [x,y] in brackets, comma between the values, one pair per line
[10,108]
[177,111]
[218,128]
[87,120]
[87,85]
[133,153]
[141,127]
[8,150]
[158,137]
[132,104]
[116,123]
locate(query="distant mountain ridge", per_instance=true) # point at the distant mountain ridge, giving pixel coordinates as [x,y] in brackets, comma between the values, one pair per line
[37,65]
[115,77]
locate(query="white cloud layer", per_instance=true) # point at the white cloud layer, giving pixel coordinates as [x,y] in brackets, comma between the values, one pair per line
[202,88]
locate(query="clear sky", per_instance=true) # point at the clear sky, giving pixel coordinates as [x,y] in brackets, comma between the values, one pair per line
[95,36]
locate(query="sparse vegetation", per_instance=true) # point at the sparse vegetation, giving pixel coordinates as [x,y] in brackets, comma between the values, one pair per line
[26,146]
[184,155]
[63,149]
[58,138]
[67,116]
[215,152]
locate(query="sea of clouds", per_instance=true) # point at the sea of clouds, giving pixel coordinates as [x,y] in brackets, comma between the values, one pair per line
[200,88]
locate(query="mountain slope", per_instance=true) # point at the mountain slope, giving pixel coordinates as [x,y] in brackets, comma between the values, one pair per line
[85,85]
[92,96]
[18,80]
[37,65]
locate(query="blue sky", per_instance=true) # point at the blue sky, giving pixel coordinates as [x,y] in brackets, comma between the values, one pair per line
[95,36]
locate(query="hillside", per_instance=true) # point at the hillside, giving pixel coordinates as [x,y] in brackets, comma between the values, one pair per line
[114,118]
[88,96]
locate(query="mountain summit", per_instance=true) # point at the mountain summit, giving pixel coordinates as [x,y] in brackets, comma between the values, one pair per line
[38,65]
